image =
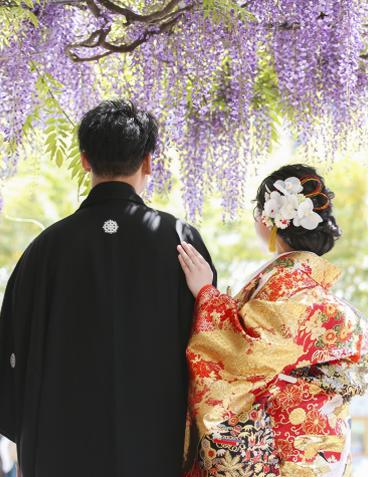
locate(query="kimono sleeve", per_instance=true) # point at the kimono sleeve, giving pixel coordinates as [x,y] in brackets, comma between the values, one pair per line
[262,339]
[7,362]
[251,354]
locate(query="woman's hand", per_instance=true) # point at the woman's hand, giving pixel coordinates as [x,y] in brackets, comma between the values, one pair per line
[197,271]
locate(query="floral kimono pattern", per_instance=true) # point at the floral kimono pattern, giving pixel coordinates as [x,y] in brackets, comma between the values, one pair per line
[272,373]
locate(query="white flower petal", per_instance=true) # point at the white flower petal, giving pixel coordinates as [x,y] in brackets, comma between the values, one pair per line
[288,212]
[300,198]
[267,220]
[293,185]
[280,185]
[296,221]
[276,196]
[289,207]
[311,221]
[271,208]
[281,222]
[305,207]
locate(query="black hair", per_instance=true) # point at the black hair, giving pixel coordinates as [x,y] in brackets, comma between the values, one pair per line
[320,240]
[116,137]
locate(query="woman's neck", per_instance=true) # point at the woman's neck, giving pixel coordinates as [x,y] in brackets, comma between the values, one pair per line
[282,247]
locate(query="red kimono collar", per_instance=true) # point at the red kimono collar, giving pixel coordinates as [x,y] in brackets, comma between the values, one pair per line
[320,269]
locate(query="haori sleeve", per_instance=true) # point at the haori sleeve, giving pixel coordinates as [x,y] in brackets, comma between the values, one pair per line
[7,363]
[15,322]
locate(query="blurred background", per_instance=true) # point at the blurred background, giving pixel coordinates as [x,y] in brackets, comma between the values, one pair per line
[42,193]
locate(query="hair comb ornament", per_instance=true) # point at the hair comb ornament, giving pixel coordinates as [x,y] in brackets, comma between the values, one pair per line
[317,192]
[318,188]
[288,205]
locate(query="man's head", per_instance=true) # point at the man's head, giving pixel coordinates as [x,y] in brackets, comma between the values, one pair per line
[117,140]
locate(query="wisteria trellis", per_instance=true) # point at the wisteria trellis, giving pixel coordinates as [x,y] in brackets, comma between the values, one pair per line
[218,74]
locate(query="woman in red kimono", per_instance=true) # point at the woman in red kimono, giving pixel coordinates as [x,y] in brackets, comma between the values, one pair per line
[273,369]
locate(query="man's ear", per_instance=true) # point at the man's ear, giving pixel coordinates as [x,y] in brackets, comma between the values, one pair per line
[85,163]
[147,165]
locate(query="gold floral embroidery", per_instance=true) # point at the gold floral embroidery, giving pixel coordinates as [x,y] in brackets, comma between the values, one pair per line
[230,466]
[344,333]
[313,326]
[312,444]
[290,396]
[289,469]
[329,337]
[297,416]
[315,423]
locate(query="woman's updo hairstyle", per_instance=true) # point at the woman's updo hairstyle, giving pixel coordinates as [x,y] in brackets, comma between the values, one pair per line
[320,240]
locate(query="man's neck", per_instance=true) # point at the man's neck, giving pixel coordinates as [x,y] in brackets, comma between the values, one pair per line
[127,180]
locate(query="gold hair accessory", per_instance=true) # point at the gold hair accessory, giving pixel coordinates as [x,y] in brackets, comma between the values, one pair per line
[326,205]
[317,192]
[317,189]
[273,240]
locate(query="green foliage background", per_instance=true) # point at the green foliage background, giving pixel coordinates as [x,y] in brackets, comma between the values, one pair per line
[42,193]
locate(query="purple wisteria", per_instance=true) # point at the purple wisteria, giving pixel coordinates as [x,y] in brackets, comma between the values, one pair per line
[218,79]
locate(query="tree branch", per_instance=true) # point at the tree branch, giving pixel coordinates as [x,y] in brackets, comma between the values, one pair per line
[125,48]
[164,20]
[94,8]
[93,41]
[135,17]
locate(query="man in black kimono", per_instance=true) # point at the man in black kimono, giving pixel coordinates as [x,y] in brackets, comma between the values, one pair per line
[95,322]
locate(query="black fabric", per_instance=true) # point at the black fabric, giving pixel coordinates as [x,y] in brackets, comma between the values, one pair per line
[99,324]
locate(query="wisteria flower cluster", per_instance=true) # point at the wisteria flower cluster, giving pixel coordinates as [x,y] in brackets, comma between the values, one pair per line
[288,205]
[219,82]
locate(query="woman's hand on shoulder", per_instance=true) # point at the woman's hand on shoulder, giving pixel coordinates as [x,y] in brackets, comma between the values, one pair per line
[198,272]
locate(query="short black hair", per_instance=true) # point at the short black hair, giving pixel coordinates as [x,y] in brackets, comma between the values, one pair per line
[116,137]
[320,240]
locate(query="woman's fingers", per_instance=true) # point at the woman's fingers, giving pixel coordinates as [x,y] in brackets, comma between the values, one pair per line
[192,253]
[197,271]
[185,257]
[183,264]
[196,253]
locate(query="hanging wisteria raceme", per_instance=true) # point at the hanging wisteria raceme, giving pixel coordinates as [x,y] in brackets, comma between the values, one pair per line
[317,61]
[16,86]
[38,52]
[219,79]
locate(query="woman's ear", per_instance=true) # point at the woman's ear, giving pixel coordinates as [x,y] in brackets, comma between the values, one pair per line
[147,165]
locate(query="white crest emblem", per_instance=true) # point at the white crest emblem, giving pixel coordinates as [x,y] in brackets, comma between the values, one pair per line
[12,360]
[110,226]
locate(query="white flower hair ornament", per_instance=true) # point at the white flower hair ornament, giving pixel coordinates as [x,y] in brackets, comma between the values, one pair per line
[289,206]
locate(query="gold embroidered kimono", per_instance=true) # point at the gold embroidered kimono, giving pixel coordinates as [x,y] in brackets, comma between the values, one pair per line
[272,372]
